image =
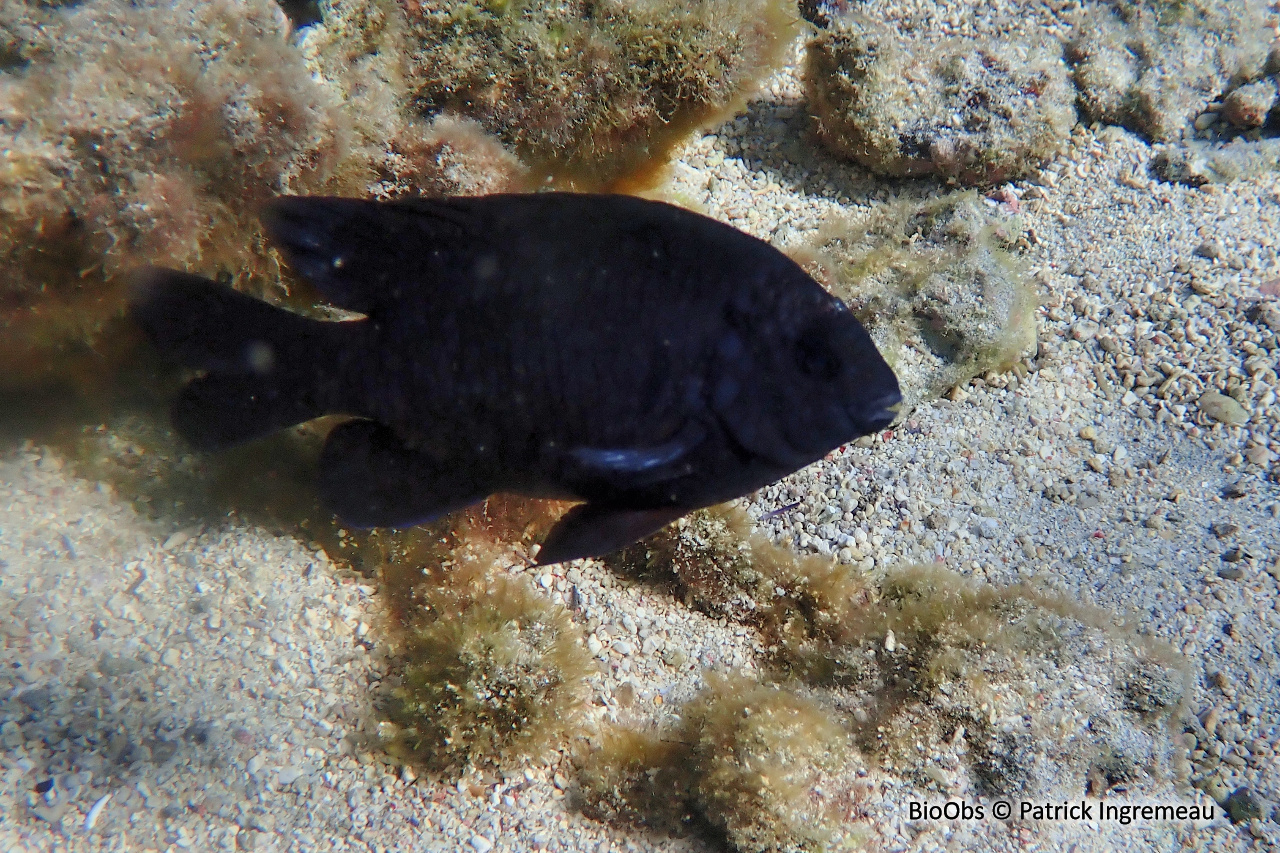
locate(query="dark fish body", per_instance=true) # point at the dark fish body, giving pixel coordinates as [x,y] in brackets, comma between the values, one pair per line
[626,353]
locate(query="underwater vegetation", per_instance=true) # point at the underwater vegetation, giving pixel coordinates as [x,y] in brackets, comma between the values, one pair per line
[938,676]
[485,670]
[954,676]
[914,671]
[1154,65]
[141,132]
[938,283]
[754,761]
[979,111]
[588,94]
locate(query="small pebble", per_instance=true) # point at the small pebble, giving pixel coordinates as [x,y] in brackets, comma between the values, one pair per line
[1241,805]
[1223,409]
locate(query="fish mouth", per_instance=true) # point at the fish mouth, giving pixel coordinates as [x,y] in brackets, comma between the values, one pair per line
[880,414]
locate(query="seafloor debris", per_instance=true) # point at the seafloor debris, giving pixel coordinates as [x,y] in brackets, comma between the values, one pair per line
[1154,65]
[981,111]
[587,93]
[938,285]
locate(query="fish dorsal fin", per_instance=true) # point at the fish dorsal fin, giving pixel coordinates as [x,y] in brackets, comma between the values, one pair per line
[358,253]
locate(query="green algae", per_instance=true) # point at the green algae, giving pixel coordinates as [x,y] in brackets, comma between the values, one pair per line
[938,283]
[588,94]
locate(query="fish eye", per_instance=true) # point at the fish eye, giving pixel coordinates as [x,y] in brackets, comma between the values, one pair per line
[815,358]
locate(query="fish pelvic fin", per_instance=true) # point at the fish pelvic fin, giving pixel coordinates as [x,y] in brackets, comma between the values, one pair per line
[370,478]
[592,530]
[265,368]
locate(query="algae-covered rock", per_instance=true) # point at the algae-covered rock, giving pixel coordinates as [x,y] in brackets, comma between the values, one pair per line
[1248,106]
[589,94]
[445,156]
[136,133]
[1153,65]
[937,284]
[486,671]
[724,569]
[758,762]
[974,675]
[981,110]
[1195,162]
[761,755]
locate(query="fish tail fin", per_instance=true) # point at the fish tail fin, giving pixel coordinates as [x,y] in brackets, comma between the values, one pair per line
[264,365]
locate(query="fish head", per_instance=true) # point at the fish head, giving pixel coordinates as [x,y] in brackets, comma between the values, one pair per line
[803,378]
[850,389]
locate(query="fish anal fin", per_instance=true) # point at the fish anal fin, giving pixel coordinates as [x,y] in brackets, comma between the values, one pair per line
[370,478]
[591,530]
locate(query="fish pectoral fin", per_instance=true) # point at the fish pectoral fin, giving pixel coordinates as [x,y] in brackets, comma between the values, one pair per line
[640,464]
[370,478]
[591,530]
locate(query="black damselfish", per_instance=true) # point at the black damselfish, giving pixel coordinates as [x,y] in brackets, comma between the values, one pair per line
[640,358]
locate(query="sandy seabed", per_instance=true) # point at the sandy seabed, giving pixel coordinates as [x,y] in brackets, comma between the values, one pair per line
[167,686]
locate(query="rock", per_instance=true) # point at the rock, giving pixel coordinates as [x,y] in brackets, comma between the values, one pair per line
[1153,66]
[937,520]
[289,775]
[1241,805]
[37,699]
[1223,409]
[1258,455]
[981,111]
[111,666]
[1247,107]
[988,528]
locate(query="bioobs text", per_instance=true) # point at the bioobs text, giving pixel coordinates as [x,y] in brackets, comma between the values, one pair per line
[950,810]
